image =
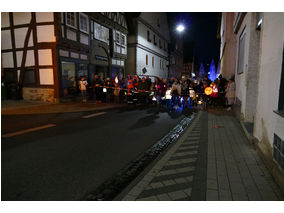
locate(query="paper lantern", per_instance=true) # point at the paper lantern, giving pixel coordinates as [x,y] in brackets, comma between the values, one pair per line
[208,90]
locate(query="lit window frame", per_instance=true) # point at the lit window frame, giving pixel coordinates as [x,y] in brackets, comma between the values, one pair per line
[75,20]
[87,22]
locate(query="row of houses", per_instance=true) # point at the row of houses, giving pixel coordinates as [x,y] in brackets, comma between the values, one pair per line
[43,54]
[252,51]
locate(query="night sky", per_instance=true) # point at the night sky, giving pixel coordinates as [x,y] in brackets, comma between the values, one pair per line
[200,36]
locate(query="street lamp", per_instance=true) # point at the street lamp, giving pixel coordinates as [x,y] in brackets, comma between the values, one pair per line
[180,28]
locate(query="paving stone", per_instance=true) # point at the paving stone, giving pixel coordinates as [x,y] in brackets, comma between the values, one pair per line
[129,198]
[156,185]
[180,180]
[135,191]
[151,198]
[177,195]
[212,184]
[163,197]
[225,195]
[169,182]
[212,195]
[239,197]
[188,191]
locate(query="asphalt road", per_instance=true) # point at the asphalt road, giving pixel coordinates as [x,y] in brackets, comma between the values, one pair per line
[66,161]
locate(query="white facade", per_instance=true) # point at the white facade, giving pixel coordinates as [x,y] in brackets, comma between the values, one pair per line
[148,49]
[267,122]
[258,73]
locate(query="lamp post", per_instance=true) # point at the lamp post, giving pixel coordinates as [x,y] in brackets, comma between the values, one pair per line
[180,28]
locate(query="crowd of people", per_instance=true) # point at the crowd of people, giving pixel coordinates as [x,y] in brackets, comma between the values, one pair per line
[185,92]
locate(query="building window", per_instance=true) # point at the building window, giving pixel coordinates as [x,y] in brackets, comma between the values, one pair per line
[117,37]
[84,23]
[160,43]
[158,22]
[241,53]
[259,20]
[153,60]
[281,89]
[29,77]
[122,39]
[148,36]
[160,64]
[71,19]
[146,59]
[154,37]
[101,33]
[278,151]
[165,45]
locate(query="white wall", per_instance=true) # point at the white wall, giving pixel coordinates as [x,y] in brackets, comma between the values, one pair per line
[241,79]
[266,121]
[155,50]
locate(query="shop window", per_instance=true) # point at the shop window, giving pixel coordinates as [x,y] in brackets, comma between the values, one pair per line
[241,53]
[71,19]
[84,22]
[68,79]
[29,77]
[281,89]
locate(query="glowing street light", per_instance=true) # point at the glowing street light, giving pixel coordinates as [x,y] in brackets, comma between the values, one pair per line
[180,28]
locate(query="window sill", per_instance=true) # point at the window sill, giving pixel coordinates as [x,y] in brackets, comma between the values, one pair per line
[280,113]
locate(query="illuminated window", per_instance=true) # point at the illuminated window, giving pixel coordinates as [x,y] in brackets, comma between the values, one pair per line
[153,60]
[117,37]
[146,59]
[122,39]
[84,22]
[71,19]
[101,33]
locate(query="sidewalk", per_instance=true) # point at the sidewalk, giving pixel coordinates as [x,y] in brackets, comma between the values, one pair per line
[212,160]
[17,107]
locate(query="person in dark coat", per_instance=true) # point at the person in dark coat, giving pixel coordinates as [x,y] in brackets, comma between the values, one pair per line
[96,88]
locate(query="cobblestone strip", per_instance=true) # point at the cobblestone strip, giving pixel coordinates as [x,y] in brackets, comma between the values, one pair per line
[171,177]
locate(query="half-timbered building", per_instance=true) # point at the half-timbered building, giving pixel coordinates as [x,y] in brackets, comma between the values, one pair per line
[43,54]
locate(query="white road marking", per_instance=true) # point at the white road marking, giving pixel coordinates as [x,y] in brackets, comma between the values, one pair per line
[93,115]
[27,130]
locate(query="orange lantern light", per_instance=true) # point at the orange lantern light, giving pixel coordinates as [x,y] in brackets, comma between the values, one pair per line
[208,90]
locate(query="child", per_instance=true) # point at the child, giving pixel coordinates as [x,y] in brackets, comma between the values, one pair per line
[116,92]
[82,85]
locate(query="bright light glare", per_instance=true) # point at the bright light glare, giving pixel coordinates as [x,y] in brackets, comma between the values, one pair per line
[180,28]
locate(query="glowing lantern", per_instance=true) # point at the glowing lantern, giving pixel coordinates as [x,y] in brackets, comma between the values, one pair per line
[208,90]
[116,80]
[168,94]
[104,90]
